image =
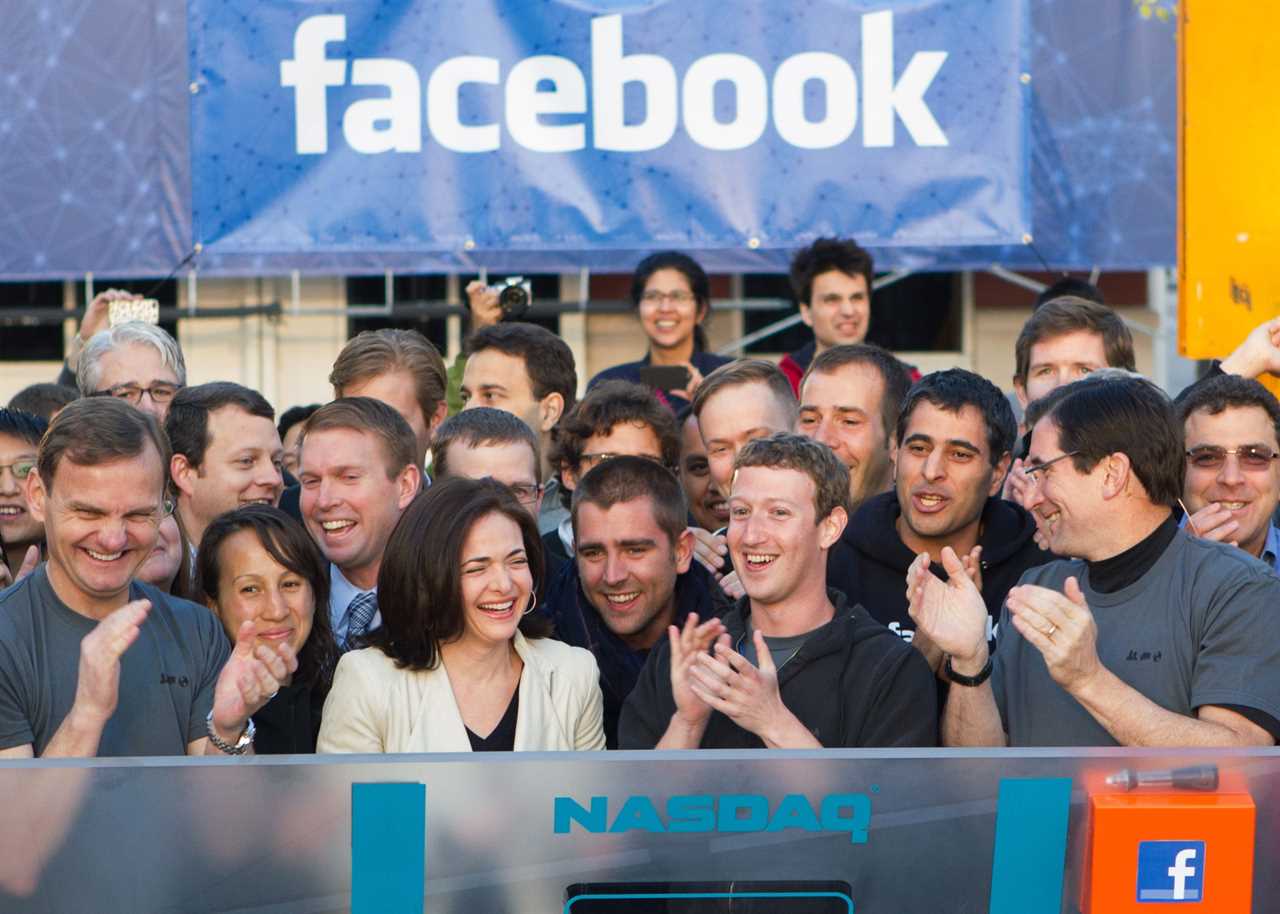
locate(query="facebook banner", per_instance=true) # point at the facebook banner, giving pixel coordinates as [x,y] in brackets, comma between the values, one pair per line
[419,126]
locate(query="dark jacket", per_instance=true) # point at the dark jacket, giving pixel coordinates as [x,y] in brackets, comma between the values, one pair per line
[289,723]
[578,623]
[555,555]
[705,362]
[852,683]
[871,569]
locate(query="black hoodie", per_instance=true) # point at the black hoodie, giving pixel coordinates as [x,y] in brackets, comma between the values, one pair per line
[850,683]
[869,564]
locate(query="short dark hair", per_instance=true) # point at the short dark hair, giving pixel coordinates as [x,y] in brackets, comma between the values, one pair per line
[746,371]
[372,353]
[478,427]
[1125,416]
[627,478]
[294,415]
[608,404]
[843,255]
[420,579]
[187,423]
[814,459]
[288,542]
[1216,394]
[548,360]
[97,430]
[895,376]
[43,399]
[365,414]
[699,284]
[954,389]
[1070,287]
[18,424]
[1068,315]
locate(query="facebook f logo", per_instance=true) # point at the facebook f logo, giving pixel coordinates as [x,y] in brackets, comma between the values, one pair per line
[1171,871]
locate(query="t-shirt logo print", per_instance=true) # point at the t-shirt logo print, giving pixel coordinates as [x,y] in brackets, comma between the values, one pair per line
[180,681]
[1171,871]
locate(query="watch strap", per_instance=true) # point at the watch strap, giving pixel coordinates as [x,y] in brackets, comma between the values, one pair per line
[960,679]
[237,748]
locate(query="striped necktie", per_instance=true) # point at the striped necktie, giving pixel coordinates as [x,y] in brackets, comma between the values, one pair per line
[360,613]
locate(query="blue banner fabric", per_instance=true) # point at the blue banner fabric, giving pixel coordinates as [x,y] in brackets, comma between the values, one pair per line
[563,126]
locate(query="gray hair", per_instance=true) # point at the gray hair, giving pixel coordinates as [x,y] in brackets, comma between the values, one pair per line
[130,333]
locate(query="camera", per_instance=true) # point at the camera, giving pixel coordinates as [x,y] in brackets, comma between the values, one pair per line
[515,295]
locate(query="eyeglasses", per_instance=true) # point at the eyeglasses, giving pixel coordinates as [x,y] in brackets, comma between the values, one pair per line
[20,469]
[1212,457]
[159,393]
[1034,471]
[526,494]
[678,297]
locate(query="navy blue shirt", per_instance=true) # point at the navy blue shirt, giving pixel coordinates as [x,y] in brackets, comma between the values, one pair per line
[705,362]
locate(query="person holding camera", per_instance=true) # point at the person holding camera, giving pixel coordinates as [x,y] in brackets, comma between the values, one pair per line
[672,295]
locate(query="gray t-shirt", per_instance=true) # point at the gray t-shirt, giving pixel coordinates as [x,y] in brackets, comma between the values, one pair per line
[166,676]
[1199,628]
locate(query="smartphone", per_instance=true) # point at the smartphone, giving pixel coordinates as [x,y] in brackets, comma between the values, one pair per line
[665,377]
[136,309]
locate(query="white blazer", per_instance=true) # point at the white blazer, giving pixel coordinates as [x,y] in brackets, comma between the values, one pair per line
[376,707]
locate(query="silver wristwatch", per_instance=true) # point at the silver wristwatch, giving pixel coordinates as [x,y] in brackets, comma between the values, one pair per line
[239,747]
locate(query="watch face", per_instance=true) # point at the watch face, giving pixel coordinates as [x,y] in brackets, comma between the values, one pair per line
[791,897]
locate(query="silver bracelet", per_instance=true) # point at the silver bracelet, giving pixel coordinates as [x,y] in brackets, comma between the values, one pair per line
[240,747]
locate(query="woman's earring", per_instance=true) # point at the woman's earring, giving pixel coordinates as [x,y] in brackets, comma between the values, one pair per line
[533,601]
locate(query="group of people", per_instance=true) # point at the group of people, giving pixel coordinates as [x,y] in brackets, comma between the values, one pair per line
[833,551]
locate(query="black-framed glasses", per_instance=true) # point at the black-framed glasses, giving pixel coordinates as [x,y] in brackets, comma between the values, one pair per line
[1035,471]
[20,469]
[1212,457]
[160,392]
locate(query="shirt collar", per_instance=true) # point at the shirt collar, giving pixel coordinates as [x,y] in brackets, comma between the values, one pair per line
[342,591]
[1271,549]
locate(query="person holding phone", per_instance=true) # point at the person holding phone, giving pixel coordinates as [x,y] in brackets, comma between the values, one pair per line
[672,295]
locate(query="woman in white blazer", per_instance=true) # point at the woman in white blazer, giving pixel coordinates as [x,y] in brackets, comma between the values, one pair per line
[459,663]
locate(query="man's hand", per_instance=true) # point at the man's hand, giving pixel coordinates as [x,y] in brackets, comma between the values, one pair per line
[732,585]
[29,563]
[1259,352]
[98,687]
[97,316]
[1061,627]
[951,615]
[748,695]
[709,549]
[687,645]
[1018,486]
[1214,522]
[249,680]
[973,566]
[483,302]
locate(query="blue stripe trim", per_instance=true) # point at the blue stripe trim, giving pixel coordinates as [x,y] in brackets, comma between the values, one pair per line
[1031,846]
[388,848]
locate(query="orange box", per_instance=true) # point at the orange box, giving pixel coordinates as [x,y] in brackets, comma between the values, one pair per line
[1208,838]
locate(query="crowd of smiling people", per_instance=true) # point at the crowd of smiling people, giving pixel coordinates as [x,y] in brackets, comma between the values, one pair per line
[832,551]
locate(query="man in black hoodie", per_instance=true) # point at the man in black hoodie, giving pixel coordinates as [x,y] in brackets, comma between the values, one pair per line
[793,665]
[632,576]
[952,442]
